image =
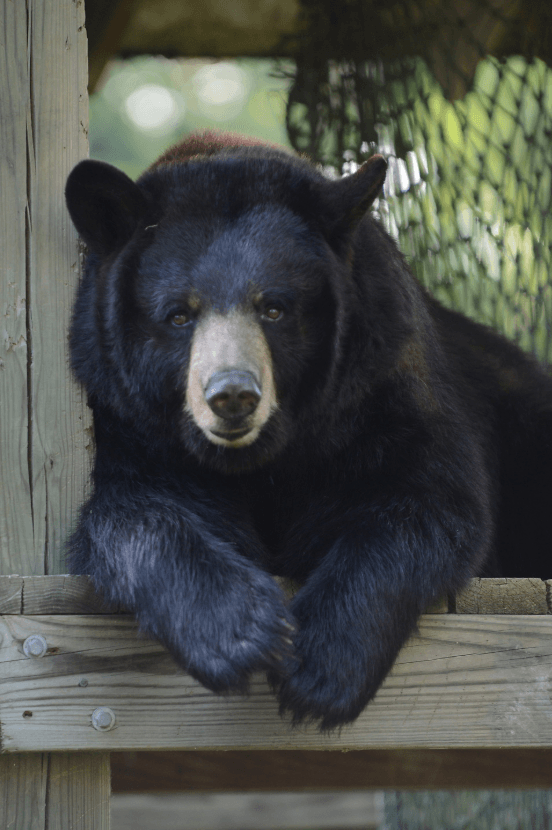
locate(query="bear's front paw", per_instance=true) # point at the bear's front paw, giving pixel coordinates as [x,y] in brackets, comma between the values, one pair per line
[334,675]
[312,695]
[243,628]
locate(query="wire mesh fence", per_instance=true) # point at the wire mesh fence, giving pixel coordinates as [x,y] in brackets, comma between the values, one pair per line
[468,138]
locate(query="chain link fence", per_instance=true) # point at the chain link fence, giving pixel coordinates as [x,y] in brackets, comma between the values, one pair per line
[468,136]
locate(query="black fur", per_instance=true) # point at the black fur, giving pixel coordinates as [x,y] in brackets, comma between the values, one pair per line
[412,448]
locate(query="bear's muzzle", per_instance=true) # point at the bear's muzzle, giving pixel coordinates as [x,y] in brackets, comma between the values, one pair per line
[230,391]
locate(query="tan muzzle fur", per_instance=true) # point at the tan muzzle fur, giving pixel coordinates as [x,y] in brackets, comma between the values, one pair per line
[228,342]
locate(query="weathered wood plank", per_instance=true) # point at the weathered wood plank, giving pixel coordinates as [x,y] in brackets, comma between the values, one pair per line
[11,588]
[261,811]
[23,782]
[16,531]
[78,794]
[57,138]
[66,594]
[503,596]
[43,133]
[464,681]
[44,428]
[59,594]
[58,792]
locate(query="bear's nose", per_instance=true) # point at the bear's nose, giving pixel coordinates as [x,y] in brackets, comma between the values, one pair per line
[233,394]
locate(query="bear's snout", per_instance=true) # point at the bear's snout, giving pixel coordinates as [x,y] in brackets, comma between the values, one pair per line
[230,391]
[233,395]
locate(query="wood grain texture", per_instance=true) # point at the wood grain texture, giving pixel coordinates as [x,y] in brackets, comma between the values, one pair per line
[503,596]
[78,791]
[11,589]
[67,594]
[16,532]
[60,421]
[23,785]
[63,791]
[464,681]
[60,594]
[44,426]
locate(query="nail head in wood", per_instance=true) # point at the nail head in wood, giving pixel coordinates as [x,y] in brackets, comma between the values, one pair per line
[35,646]
[103,718]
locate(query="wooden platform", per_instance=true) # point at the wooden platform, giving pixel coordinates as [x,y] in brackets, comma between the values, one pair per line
[466,680]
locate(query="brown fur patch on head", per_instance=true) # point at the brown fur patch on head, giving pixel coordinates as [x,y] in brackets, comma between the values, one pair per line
[225,342]
[207,143]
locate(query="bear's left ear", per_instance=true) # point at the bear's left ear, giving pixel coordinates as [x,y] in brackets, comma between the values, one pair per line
[346,200]
[104,204]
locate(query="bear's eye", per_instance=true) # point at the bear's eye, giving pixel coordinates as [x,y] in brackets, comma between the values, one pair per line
[179,319]
[272,312]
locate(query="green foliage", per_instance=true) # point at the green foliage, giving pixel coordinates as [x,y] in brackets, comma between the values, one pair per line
[146,104]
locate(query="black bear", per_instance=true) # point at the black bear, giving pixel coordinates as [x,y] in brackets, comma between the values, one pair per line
[275,394]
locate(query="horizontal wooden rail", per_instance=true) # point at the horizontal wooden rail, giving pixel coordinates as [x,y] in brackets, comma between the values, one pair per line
[465,680]
[65,594]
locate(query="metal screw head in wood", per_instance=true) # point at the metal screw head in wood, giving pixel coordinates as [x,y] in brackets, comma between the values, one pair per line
[103,718]
[35,646]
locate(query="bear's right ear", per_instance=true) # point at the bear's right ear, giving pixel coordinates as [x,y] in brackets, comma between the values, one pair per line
[104,204]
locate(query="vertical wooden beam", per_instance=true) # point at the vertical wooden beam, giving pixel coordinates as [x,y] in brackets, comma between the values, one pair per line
[45,427]
[78,791]
[59,138]
[55,791]
[23,791]
[16,527]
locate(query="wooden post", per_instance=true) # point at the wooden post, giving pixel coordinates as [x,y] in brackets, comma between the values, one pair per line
[44,428]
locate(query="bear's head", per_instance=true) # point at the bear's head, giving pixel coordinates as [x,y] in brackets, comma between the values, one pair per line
[212,310]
